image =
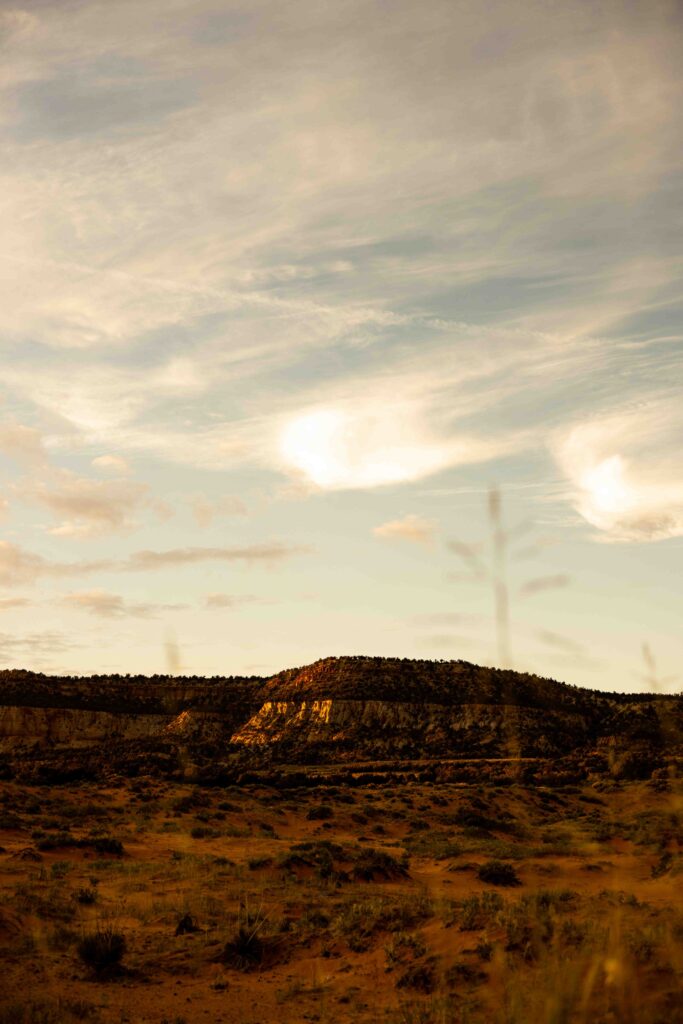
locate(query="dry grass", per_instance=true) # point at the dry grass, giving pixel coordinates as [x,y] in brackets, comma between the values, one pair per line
[302,916]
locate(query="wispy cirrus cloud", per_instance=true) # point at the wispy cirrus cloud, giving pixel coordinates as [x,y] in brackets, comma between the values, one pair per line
[111,464]
[25,444]
[106,605]
[411,528]
[36,648]
[216,602]
[268,554]
[19,566]
[206,510]
[224,269]
[84,507]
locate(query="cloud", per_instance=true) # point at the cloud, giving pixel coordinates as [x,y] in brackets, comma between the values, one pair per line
[106,605]
[25,444]
[624,471]
[414,529]
[222,601]
[13,602]
[542,583]
[205,510]
[111,464]
[19,566]
[86,508]
[369,445]
[33,647]
[269,554]
[560,642]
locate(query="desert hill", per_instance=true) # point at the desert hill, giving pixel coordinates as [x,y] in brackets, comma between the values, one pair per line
[336,708]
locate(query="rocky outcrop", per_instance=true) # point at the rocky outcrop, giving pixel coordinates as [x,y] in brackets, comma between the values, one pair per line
[334,709]
[383,728]
[66,727]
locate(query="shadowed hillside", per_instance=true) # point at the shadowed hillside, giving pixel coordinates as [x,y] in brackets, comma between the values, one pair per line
[336,709]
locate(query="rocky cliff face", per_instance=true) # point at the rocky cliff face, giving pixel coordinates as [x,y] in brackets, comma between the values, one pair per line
[385,728]
[336,708]
[66,727]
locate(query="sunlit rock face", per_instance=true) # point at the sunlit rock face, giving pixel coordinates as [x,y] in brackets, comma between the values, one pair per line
[380,728]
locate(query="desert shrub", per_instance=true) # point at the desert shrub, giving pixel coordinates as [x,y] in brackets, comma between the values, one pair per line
[61,868]
[313,919]
[249,945]
[403,947]
[475,822]
[663,865]
[360,920]
[435,1009]
[644,944]
[225,805]
[86,896]
[185,804]
[418,825]
[59,1011]
[497,872]
[420,977]
[439,845]
[48,904]
[479,911]
[484,950]
[372,865]
[102,950]
[463,973]
[64,840]
[56,841]
[254,863]
[323,812]
[187,925]
[320,855]
[204,832]
[528,929]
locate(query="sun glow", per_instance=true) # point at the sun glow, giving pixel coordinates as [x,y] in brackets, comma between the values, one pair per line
[606,487]
[335,448]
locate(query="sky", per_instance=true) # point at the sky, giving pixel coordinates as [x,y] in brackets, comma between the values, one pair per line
[287,289]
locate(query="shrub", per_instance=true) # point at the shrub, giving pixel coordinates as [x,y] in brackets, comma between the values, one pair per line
[255,863]
[479,911]
[204,832]
[61,1011]
[106,844]
[436,844]
[372,865]
[497,872]
[420,977]
[321,813]
[102,950]
[187,925]
[464,973]
[249,945]
[86,896]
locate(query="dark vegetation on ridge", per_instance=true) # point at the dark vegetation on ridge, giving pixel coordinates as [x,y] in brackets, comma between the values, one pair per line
[337,710]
